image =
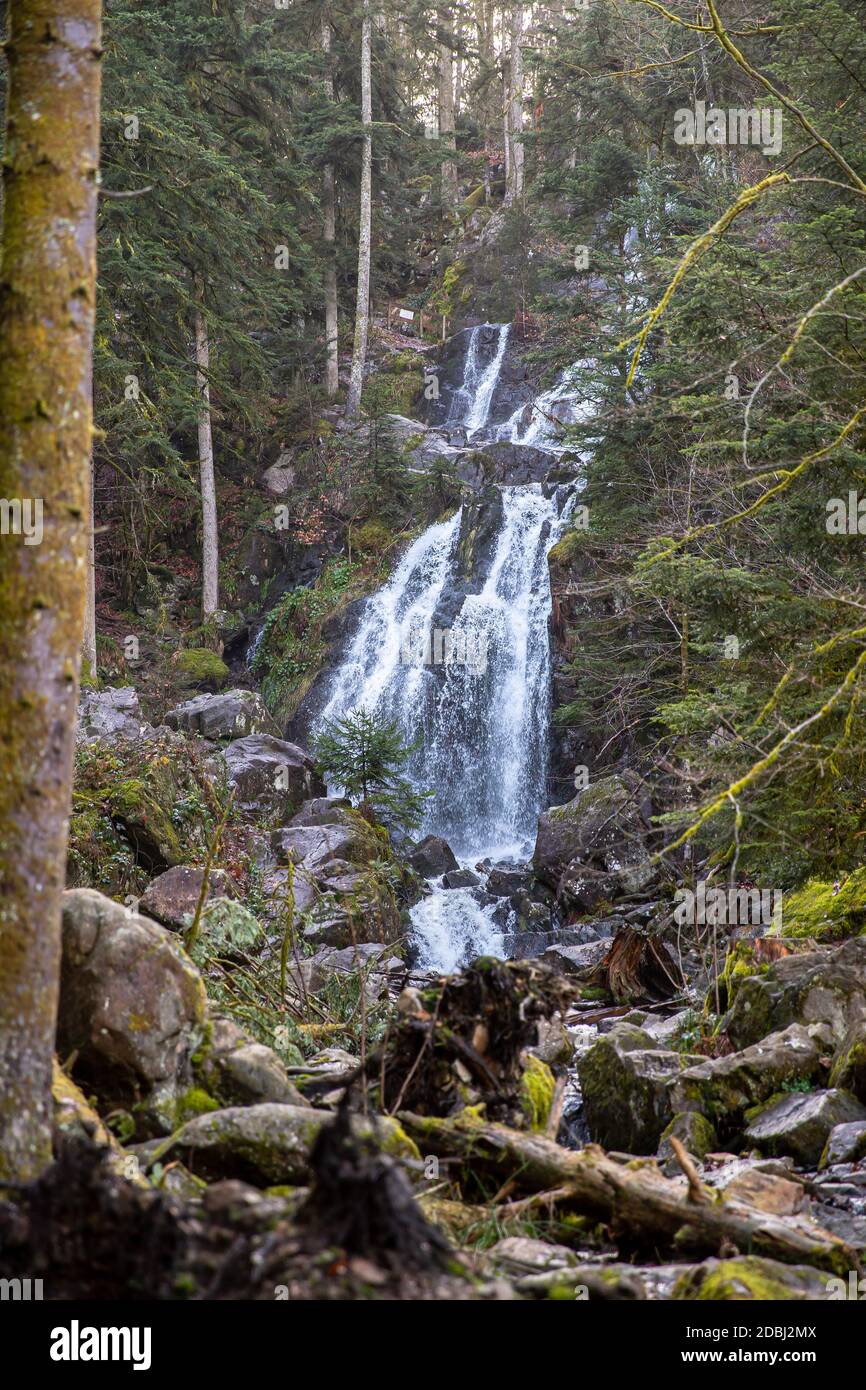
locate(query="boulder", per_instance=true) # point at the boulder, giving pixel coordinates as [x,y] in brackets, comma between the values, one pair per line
[314,846]
[460,878]
[824,986]
[132,1004]
[800,1125]
[323,810]
[726,1087]
[584,847]
[270,777]
[432,856]
[846,1143]
[626,1089]
[750,1277]
[111,714]
[694,1132]
[201,668]
[269,1143]
[231,715]
[849,1065]
[576,960]
[239,1071]
[171,898]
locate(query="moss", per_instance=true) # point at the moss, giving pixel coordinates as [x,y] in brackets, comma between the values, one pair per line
[748,1278]
[199,665]
[537,1087]
[146,822]
[372,538]
[471,203]
[694,1131]
[195,1101]
[566,549]
[826,910]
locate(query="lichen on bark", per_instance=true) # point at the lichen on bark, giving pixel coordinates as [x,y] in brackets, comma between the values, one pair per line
[47,294]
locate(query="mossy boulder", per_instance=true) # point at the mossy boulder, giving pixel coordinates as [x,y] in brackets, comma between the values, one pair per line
[270,1143]
[585,848]
[239,1071]
[201,667]
[827,911]
[537,1087]
[849,1065]
[228,715]
[822,986]
[695,1133]
[172,897]
[846,1143]
[749,1277]
[800,1125]
[132,1005]
[726,1087]
[146,821]
[626,1085]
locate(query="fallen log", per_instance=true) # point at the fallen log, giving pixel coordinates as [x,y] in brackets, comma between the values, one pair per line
[635,1200]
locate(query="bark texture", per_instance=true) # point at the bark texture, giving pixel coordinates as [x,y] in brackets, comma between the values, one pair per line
[329,208]
[209,538]
[362,307]
[47,295]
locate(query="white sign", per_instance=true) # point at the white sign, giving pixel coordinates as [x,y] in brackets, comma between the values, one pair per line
[405,313]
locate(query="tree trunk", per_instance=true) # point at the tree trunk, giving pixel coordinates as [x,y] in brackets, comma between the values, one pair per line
[514,118]
[209,541]
[447,139]
[362,307]
[88,648]
[47,296]
[332,354]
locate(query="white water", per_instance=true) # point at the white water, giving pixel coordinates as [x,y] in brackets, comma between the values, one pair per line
[482,727]
[471,404]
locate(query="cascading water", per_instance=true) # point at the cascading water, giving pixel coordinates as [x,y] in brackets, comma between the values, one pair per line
[472,689]
[471,404]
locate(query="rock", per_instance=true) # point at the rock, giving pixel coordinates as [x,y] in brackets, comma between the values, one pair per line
[749,1277]
[849,1065]
[226,927]
[323,810]
[583,847]
[555,1044]
[767,1191]
[823,909]
[726,1087]
[238,1071]
[201,667]
[846,1143]
[432,856]
[111,714]
[626,1089]
[327,1068]
[519,1255]
[280,477]
[171,898]
[378,960]
[503,882]
[460,878]
[800,1125]
[231,715]
[132,1004]
[72,1115]
[694,1132]
[576,960]
[315,846]
[269,1144]
[269,776]
[826,986]
[143,813]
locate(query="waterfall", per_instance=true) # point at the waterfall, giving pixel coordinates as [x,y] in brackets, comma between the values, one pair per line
[471,404]
[463,669]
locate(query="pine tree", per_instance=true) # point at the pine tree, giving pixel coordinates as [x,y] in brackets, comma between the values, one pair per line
[363,755]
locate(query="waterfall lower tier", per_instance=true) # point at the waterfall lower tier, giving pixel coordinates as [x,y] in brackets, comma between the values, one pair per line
[463,667]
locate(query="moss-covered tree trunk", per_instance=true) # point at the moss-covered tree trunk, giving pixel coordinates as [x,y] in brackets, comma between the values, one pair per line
[47,283]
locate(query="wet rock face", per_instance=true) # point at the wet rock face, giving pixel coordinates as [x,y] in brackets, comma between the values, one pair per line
[826,986]
[432,857]
[132,1004]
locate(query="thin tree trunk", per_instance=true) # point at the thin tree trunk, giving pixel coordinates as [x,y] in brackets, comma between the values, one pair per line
[47,296]
[362,307]
[332,353]
[209,540]
[88,649]
[514,121]
[447,138]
